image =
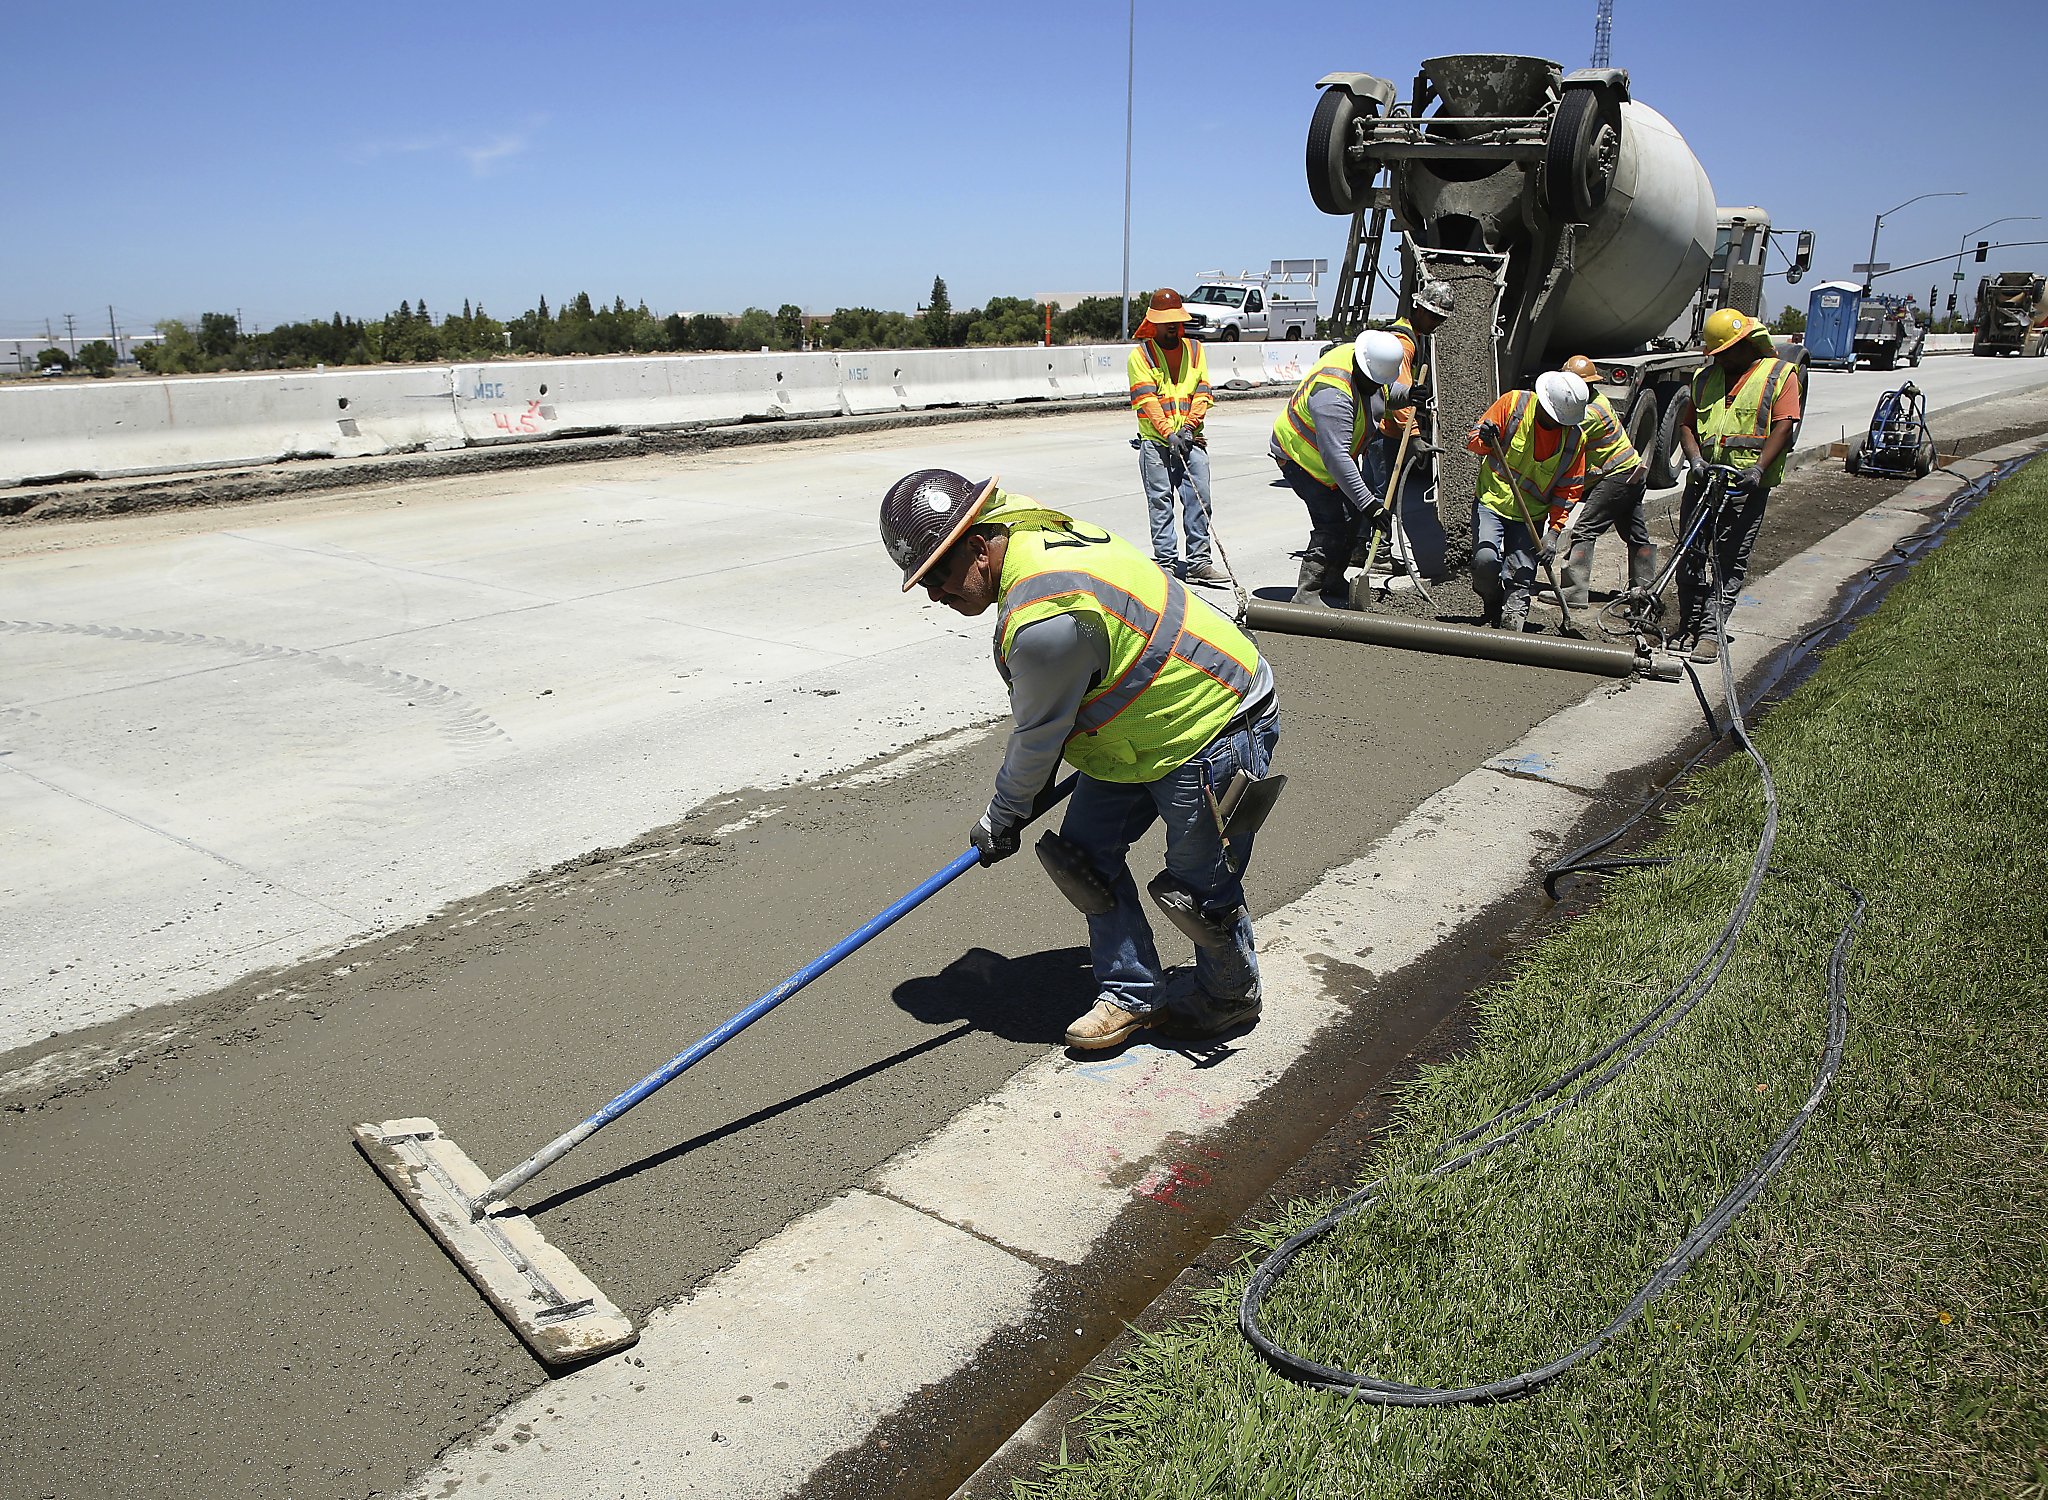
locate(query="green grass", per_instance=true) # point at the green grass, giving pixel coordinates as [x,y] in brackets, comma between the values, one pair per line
[1873,1324]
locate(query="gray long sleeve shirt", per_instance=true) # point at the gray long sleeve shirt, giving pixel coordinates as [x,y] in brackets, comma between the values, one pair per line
[1333,409]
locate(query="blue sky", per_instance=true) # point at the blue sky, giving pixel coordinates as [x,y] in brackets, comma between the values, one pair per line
[292,160]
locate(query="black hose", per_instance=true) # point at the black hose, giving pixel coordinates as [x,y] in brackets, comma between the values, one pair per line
[1630,1047]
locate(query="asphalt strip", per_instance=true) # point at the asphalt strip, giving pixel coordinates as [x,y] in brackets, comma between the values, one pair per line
[814,1337]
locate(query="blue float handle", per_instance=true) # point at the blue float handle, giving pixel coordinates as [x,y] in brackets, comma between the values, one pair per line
[711,1041]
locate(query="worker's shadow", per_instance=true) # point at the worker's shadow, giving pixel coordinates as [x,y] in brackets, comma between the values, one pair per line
[1030,998]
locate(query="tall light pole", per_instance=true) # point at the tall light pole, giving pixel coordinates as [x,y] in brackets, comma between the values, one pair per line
[1870,268]
[1958,278]
[1123,316]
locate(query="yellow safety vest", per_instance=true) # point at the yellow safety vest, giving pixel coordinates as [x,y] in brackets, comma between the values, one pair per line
[1530,478]
[1733,425]
[1295,431]
[1151,378]
[1178,670]
[1608,450]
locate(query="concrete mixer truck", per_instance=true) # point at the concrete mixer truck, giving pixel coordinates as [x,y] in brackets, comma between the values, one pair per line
[1568,217]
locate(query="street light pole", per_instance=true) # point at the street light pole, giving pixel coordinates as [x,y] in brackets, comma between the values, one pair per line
[1869,268]
[1130,78]
[1957,279]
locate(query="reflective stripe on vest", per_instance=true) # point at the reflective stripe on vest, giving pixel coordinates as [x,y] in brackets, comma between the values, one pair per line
[1150,377]
[1295,431]
[1177,674]
[1608,450]
[1733,426]
[1528,477]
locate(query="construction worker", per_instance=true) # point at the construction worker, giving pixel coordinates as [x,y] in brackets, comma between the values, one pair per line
[1169,378]
[1617,480]
[1154,697]
[1744,412]
[1434,301]
[1317,441]
[1531,477]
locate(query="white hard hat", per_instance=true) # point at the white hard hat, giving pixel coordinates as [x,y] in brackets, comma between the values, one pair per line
[1379,354]
[1563,395]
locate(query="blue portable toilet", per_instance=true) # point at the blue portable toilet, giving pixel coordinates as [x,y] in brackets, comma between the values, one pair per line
[1831,312]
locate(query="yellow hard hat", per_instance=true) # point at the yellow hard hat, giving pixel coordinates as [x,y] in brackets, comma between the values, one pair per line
[1726,328]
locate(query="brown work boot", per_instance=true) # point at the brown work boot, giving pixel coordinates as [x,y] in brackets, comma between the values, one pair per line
[1707,647]
[1106,1024]
[1206,571]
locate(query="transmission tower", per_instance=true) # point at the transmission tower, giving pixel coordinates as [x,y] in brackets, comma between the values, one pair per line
[1603,34]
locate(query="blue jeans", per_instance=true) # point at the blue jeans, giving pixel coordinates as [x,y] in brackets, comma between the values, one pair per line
[1106,817]
[1333,526]
[1166,478]
[1503,561]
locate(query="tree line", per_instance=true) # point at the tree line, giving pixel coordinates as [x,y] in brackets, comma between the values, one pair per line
[412,334]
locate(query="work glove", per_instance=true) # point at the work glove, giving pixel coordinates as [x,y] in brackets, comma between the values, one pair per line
[1546,554]
[1182,440]
[1373,513]
[1749,483]
[993,844]
[1489,435]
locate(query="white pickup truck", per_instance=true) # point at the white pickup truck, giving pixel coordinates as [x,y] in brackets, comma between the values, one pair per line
[1273,306]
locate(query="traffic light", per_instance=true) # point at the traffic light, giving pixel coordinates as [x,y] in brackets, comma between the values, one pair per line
[1983,249]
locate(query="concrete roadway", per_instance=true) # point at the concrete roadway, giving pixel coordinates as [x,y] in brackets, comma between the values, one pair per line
[237,739]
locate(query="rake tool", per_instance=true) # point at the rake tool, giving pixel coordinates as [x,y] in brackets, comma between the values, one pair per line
[560,1313]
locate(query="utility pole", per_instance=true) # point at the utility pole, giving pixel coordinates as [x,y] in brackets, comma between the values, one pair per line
[114,330]
[71,333]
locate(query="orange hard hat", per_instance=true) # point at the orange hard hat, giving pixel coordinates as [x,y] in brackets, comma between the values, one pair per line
[1582,367]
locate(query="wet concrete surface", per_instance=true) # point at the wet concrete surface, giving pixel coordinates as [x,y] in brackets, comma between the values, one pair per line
[209,1293]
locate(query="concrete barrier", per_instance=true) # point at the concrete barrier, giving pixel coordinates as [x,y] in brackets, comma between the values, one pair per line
[1287,363]
[1109,369]
[1242,364]
[130,427]
[711,388]
[1947,343]
[982,377]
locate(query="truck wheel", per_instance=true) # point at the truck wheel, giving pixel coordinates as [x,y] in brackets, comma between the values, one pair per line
[1664,467]
[1294,333]
[1332,183]
[1229,334]
[1579,155]
[1641,424]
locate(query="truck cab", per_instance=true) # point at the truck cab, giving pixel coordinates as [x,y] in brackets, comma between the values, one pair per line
[1278,303]
[1228,311]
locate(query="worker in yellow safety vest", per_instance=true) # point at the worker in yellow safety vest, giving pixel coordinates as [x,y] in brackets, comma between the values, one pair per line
[1155,698]
[1532,475]
[1318,440]
[1617,480]
[1433,302]
[1169,380]
[1744,412]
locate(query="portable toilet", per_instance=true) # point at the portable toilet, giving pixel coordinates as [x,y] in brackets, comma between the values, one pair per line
[1831,312]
